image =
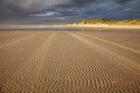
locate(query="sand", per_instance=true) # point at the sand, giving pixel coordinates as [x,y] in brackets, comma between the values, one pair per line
[105,61]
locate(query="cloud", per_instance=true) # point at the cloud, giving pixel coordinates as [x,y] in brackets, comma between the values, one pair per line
[30,5]
[48,14]
[37,5]
[121,9]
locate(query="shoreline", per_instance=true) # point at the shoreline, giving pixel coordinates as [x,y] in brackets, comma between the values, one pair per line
[104,26]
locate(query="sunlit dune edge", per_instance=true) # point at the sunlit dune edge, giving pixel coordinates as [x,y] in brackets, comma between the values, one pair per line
[103,26]
[106,23]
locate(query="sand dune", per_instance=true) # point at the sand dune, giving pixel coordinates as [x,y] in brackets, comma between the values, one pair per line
[70,62]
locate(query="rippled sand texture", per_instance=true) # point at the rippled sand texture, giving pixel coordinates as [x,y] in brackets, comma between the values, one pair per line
[70,62]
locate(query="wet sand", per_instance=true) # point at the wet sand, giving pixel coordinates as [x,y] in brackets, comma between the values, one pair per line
[105,61]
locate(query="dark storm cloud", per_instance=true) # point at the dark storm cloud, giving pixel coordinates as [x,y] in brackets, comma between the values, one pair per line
[36,5]
[70,8]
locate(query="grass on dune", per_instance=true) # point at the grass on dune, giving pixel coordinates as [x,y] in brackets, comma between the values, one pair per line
[110,22]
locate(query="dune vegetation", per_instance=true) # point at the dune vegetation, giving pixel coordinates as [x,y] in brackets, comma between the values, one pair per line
[110,22]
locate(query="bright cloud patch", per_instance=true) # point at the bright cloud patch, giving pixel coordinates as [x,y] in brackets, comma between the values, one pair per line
[48,14]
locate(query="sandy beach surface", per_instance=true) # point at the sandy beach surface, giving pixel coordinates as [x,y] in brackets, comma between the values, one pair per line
[69,61]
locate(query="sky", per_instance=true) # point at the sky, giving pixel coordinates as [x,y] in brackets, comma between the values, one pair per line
[58,11]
